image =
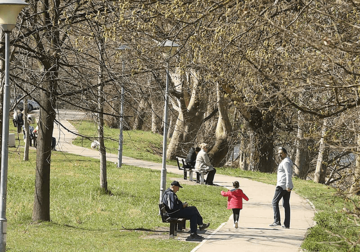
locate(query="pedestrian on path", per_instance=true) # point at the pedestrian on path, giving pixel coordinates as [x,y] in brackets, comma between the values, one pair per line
[234,202]
[177,209]
[283,189]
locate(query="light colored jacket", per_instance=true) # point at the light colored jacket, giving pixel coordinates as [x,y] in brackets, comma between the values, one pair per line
[203,162]
[284,174]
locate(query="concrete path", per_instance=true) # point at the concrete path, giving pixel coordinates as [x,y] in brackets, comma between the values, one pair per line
[254,233]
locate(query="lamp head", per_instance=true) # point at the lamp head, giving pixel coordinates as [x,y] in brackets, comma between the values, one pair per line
[9,10]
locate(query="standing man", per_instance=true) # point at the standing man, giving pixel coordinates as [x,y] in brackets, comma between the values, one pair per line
[283,188]
[177,209]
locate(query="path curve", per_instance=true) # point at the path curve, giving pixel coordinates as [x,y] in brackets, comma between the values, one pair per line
[253,234]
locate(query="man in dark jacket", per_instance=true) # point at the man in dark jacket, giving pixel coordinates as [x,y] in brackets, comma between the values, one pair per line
[177,209]
[191,157]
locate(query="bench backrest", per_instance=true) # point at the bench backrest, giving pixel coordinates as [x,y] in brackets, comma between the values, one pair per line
[163,213]
[178,163]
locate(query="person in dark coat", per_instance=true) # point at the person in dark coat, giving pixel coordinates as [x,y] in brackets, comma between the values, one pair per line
[20,121]
[191,157]
[178,209]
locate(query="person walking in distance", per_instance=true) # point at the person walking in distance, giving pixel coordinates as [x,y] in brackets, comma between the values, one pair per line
[283,189]
[235,197]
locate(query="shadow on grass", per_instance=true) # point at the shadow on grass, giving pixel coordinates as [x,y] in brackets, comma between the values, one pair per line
[160,230]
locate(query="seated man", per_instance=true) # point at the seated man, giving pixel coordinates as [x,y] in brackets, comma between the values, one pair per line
[191,157]
[177,209]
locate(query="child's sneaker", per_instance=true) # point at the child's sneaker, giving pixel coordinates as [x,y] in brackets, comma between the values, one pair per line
[236,224]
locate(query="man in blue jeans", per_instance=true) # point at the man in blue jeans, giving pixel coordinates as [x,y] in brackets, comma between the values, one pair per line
[177,209]
[283,189]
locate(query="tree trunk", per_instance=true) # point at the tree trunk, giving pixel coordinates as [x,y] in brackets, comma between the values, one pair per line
[252,151]
[41,210]
[302,155]
[155,120]
[170,127]
[223,128]
[320,171]
[264,143]
[140,114]
[189,120]
[261,123]
[50,64]
[244,148]
[100,117]
[27,135]
[355,187]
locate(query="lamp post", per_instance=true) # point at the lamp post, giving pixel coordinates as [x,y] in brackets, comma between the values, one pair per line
[168,48]
[120,150]
[9,10]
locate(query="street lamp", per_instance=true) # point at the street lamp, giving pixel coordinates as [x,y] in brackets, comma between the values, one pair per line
[9,10]
[168,48]
[122,47]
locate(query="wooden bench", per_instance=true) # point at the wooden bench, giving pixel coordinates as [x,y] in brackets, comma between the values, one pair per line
[175,223]
[185,168]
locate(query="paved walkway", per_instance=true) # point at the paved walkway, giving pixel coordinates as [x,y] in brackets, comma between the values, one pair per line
[254,233]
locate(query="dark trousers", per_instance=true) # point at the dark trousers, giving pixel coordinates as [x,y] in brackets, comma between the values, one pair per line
[53,143]
[191,213]
[236,214]
[210,177]
[285,195]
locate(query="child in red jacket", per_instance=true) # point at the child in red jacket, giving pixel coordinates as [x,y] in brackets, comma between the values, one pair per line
[235,197]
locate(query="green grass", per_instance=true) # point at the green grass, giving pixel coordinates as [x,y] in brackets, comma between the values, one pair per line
[136,143]
[83,218]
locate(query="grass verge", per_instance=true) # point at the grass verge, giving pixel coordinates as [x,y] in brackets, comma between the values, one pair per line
[83,218]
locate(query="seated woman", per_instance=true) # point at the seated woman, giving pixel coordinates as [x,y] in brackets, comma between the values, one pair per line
[203,164]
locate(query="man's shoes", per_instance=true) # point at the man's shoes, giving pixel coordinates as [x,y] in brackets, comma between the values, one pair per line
[275,224]
[236,225]
[285,227]
[204,226]
[195,237]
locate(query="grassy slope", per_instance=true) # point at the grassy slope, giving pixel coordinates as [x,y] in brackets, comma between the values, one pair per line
[85,219]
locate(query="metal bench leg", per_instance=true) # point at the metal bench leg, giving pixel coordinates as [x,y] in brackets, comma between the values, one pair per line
[191,175]
[185,174]
[202,180]
[172,228]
